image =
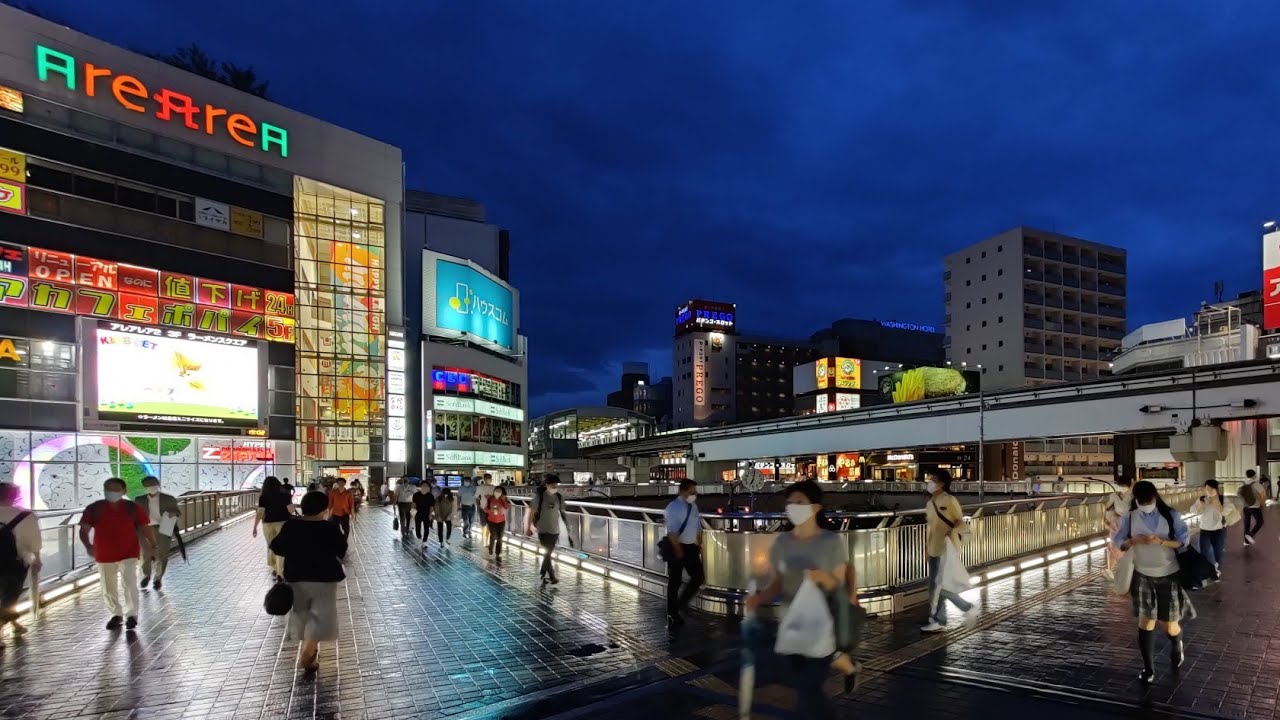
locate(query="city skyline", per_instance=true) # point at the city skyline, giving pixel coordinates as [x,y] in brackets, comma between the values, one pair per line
[643,156]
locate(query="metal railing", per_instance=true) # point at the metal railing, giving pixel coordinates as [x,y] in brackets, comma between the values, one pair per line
[63,555]
[887,548]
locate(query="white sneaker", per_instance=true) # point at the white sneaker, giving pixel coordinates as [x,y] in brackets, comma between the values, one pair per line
[971,616]
[933,627]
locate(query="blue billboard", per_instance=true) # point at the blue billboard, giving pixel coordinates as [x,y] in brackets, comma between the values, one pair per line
[468,301]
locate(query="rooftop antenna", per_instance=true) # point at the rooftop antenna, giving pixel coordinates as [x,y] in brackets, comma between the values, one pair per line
[1218,288]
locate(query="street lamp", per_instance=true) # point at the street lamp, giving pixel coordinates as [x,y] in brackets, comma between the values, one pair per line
[982,432]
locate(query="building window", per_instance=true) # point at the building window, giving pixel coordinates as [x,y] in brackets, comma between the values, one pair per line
[999,248]
[1000,344]
[999,273]
[984,323]
[967,328]
[966,261]
[967,283]
[984,253]
[999,319]
[968,305]
[984,347]
[968,351]
[984,301]
[999,296]
[984,277]
[1000,368]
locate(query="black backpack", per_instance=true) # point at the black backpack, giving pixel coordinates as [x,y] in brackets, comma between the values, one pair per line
[10,563]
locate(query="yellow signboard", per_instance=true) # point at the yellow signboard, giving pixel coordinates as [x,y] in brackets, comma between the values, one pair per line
[13,197]
[13,166]
[822,373]
[246,222]
[10,99]
[848,373]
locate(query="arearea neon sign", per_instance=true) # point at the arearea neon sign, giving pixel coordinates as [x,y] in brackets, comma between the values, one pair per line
[168,105]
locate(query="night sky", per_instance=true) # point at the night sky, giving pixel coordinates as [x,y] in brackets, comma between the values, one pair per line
[807,160]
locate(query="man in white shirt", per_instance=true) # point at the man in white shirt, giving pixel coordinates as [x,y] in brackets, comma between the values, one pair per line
[1252,510]
[22,525]
[683,553]
[162,509]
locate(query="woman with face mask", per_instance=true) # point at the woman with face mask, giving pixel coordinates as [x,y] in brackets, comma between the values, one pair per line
[808,552]
[1215,513]
[1154,532]
[944,518]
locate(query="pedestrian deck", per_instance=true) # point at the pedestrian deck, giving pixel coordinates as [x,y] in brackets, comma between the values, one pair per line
[450,634]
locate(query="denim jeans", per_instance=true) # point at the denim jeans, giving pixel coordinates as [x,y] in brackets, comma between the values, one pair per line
[468,517]
[940,610]
[1213,545]
[807,678]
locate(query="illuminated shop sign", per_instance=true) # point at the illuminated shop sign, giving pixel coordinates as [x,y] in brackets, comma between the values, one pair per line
[822,373]
[700,379]
[13,197]
[397,425]
[900,457]
[242,451]
[1271,281]
[848,373]
[706,315]
[79,285]
[10,99]
[466,382]
[481,458]
[469,302]
[130,93]
[908,326]
[479,407]
[926,383]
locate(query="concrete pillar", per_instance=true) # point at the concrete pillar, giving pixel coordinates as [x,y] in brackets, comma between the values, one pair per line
[1124,463]
[1195,472]
[1198,451]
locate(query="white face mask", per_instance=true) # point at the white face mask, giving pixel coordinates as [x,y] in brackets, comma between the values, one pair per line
[931,486]
[113,496]
[691,499]
[1147,508]
[799,514]
[153,491]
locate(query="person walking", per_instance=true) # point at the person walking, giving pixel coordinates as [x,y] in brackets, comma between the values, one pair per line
[357,495]
[162,509]
[1116,505]
[495,508]
[807,552]
[1154,532]
[404,499]
[944,520]
[467,504]
[1215,514]
[446,505]
[483,493]
[274,508]
[117,524]
[683,554]
[19,553]
[1255,498]
[545,518]
[341,506]
[313,551]
[425,502]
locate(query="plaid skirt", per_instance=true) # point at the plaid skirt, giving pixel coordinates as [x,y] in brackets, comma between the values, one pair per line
[1161,598]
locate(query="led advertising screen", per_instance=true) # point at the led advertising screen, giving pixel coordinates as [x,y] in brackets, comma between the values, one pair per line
[471,303]
[698,315]
[927,383]
[152,376]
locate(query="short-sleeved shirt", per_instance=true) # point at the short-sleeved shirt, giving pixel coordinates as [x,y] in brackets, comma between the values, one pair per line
[936,528]
[467,495]
[340,503]
[424,500]
[1259,494]
[115,529]
[790,557]
[675,515]
[405,491]
[275,507]
[549,514]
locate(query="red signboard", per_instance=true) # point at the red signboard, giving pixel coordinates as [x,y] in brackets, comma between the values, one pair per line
[81,285]
[1271,281]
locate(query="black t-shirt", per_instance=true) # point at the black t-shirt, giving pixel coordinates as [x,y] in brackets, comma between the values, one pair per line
[275,506]
[424,501]
[312,551]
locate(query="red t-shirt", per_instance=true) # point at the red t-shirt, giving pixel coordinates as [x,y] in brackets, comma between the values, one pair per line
[496,509]
[115,529]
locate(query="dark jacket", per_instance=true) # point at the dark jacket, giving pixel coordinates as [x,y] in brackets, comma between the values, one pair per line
[312,551]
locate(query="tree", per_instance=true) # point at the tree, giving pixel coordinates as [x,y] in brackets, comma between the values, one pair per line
[194,59]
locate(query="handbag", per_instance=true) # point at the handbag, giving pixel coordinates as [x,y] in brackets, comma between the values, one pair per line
[1194,570]
[849,620]
[665,549]
[279,599]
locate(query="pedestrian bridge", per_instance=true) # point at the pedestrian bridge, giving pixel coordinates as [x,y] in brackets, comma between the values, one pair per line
[450,633]
[1147,403]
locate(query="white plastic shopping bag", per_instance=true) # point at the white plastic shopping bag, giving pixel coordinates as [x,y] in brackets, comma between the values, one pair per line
[953,576]
[807,628]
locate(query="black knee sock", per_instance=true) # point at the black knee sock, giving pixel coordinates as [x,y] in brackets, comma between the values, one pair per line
[1146,644]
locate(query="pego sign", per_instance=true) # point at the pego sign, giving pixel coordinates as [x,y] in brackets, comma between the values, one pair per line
[130,93]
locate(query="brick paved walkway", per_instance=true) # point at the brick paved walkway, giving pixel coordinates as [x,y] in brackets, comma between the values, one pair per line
[450,634]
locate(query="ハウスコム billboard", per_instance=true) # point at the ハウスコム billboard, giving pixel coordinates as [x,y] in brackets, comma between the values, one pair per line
[468,301]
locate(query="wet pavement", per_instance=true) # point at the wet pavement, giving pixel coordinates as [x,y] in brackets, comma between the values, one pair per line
[451,634]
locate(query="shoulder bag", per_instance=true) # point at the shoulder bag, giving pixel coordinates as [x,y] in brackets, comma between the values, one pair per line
[665,549]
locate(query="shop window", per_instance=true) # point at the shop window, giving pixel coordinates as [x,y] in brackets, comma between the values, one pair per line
[95,189]
[136,198]
[39,175]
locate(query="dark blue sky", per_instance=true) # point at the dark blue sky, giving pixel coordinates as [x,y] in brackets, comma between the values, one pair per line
[807,160]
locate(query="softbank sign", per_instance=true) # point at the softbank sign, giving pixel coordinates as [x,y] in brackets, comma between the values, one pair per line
[132,94]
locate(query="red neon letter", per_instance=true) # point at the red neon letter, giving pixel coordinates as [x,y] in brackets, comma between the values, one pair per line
[172,102]
[128,85]
[210,114]
[237,124]
[91,74]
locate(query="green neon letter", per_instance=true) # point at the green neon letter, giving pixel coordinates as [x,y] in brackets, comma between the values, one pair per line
[48,60]
[272,134]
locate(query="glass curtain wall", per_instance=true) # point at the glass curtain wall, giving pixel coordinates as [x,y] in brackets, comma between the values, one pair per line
[339,252]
